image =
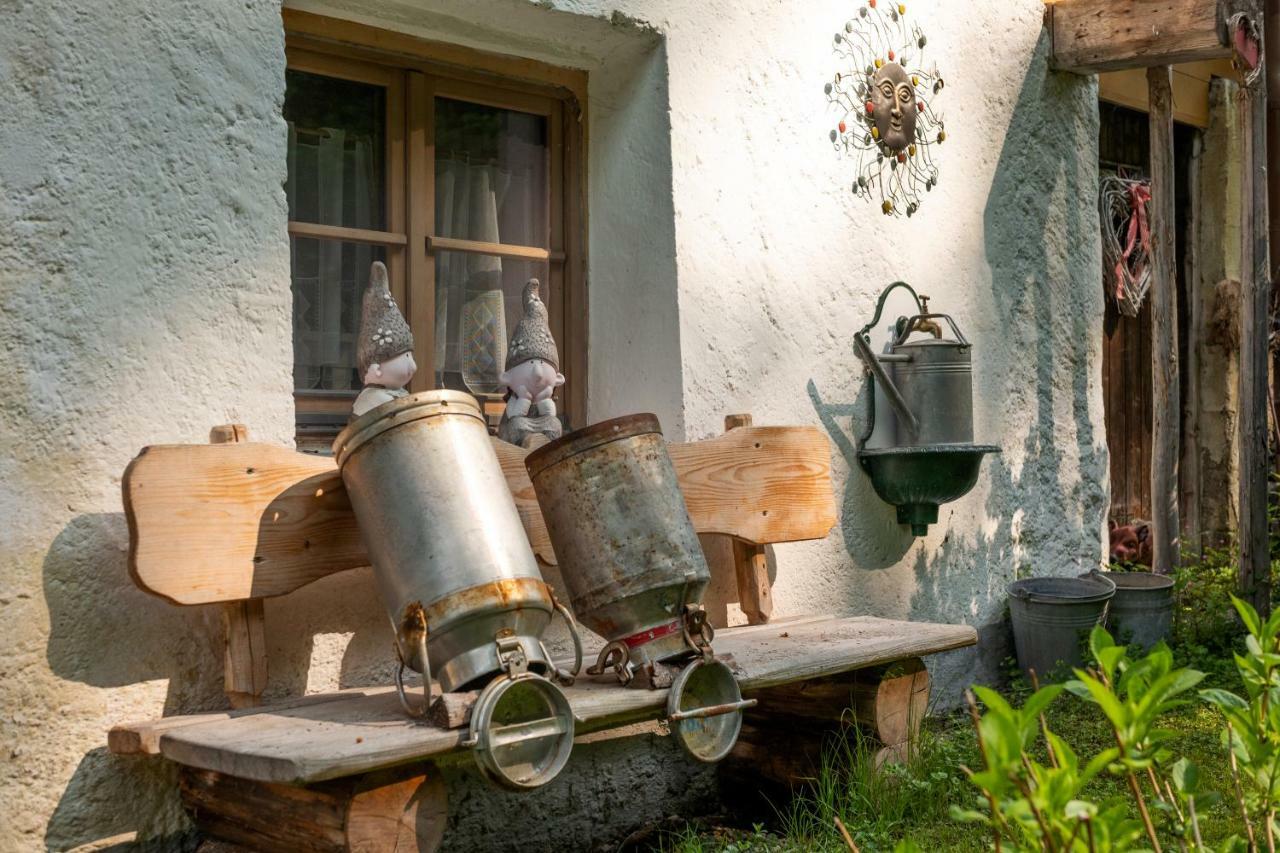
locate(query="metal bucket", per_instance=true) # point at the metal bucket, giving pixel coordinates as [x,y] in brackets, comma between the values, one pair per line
[442,531]
[1141,614]
[617,519]
[1052,618]
[935,379]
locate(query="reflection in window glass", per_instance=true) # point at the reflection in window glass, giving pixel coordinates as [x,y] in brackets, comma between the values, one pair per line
[491,174]
[337,151]
[328,279]
[477,308]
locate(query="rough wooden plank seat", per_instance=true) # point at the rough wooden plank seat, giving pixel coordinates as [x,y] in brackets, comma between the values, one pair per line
[236,522]
[361,731]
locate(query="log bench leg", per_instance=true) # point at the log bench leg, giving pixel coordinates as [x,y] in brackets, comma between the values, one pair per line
[396,811]
[784,735]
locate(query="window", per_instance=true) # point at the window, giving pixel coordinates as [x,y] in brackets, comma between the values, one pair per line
[465,183]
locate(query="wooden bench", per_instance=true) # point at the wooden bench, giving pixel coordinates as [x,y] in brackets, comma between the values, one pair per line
[235,522]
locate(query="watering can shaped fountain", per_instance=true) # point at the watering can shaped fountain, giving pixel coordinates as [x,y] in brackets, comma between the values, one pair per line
[636,573]
[458,578]
[931,458]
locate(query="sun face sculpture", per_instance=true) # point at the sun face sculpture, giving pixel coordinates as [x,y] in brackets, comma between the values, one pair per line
[884,97]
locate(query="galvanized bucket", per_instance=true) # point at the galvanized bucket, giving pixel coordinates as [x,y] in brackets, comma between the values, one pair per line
[1052,618]
[617,519]
[444,536]
[1141,614]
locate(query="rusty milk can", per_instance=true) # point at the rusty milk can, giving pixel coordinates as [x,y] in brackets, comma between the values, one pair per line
[635,571]
[457,576]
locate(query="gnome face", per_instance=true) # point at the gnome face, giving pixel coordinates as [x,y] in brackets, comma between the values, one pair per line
[532,380]
[394,373]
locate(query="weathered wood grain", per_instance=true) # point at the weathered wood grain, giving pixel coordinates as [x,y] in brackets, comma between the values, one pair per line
[1091,36]
[1254,579]
[400,811]
[215,523]
[352,735]
[1166,409]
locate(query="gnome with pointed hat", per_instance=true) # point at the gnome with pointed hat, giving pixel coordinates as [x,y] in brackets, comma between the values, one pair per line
[532,374]
[384,348]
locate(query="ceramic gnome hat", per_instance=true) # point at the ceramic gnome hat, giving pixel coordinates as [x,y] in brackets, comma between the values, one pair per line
[532,337]
[384,334]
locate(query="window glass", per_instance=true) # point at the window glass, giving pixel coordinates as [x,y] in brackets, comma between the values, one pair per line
[337,151]
[491,174]
[477,308]
[328,279]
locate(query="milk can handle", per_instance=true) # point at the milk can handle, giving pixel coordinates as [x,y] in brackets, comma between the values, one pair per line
[567,678]
[426,680]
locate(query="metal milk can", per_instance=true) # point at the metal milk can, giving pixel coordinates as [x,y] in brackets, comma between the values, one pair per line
[928,381]
[457,576]
[635,571]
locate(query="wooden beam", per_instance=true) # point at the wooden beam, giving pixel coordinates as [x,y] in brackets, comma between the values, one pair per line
[1255,293]
[747,561]
[1091,36]
[243,622]
[1165,403]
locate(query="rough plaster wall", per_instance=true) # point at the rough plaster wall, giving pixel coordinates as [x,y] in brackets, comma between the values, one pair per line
[144,279]
[145,274]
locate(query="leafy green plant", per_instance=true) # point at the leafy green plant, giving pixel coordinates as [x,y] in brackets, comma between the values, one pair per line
[1037,805]
[1252,734]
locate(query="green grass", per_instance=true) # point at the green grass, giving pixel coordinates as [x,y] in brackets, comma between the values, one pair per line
[913,801]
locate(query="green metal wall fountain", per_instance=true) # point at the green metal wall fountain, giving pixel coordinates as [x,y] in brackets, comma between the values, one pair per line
[931,458]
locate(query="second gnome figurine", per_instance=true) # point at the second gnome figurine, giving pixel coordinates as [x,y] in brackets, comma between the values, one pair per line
[532,375]
[384,349]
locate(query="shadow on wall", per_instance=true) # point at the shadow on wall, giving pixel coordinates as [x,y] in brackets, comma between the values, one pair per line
[106,632]
[1034,366]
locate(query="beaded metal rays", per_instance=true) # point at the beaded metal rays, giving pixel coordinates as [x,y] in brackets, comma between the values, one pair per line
[885,96]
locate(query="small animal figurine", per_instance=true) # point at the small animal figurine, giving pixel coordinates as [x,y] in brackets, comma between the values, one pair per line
[1131,543]
[532,374]
[384,348]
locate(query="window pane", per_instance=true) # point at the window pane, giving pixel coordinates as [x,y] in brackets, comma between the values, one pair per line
[328,279]
[491,174]
[337,151]
[477,308]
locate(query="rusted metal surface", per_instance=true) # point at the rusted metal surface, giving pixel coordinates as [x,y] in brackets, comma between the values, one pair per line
[618,522]
[441,528]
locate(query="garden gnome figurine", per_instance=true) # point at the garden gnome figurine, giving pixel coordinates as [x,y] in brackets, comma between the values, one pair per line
[532,375]
[384,349]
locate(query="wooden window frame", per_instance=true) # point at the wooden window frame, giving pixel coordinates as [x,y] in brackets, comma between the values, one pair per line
[415,71]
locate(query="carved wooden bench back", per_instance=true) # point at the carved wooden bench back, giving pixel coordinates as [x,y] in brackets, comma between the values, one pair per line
[236,521]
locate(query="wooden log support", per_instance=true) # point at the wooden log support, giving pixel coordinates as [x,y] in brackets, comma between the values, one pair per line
[244,622]
[1165,393]
[1255,293]
[399,811]
[1092,36]
[785,734]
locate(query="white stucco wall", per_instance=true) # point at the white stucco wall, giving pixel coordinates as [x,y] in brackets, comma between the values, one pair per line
[144,270]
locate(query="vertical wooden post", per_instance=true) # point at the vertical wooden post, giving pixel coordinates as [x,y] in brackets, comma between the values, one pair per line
[750,564]
[245,650]
[1164,327]
[1255,293]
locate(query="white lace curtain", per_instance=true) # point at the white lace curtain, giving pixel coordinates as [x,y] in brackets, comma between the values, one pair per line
[327,294]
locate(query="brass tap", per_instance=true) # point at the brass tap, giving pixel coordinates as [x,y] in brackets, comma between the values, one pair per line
[923,325]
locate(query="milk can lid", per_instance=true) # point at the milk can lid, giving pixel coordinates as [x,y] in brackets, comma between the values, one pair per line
[590,437]
[394,413]
[704,709]
[521,731]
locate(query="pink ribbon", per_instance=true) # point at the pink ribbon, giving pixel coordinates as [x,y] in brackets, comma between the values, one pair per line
[1139,196]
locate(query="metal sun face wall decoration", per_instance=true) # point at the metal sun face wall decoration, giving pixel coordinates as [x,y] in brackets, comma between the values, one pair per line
[884,95]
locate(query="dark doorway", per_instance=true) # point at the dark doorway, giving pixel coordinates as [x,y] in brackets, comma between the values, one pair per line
[1123,141]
